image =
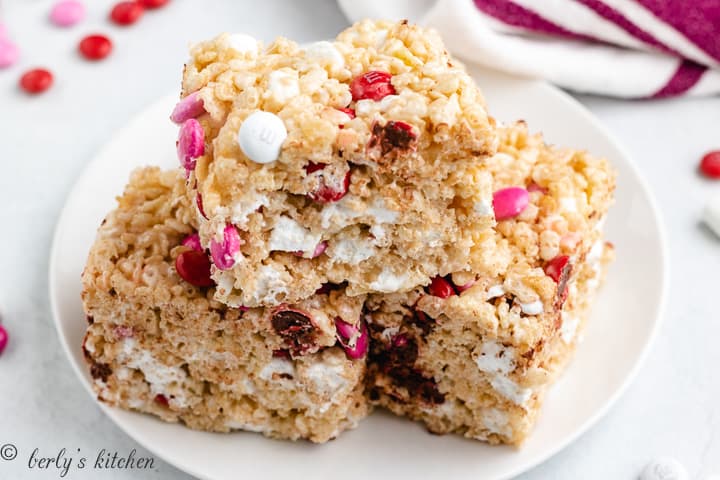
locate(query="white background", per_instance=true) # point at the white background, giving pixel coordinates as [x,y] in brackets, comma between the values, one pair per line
[673,408]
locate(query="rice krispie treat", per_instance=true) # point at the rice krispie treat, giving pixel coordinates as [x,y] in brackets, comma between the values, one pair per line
[474,354]
[356,161]
[158,343]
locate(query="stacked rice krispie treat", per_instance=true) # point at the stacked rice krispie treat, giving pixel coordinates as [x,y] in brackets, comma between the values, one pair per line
[474,354]
[357,161]
[348,228]
[157,342]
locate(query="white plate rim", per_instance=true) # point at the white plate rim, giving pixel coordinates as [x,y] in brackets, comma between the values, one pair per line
[550,90]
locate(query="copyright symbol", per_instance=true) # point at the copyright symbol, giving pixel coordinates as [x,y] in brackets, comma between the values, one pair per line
[8,451]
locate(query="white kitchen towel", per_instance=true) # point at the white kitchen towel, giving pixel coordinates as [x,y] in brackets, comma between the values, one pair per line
[622,48]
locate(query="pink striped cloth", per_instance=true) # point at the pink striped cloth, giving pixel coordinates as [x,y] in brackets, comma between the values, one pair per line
[622,48]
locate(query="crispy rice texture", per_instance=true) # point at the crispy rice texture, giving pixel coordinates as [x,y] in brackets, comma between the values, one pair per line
[480,362]
[416,203]
[156,344]
[477,363]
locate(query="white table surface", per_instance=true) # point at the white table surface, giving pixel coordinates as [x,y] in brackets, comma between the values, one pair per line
[672,408]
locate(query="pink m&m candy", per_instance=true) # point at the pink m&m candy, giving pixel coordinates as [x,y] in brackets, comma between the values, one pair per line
[223,253]
[192,241]
[67,13]
[510,202]
[3,338]
[9,53]
[191,143]
[353,340]
[187,108]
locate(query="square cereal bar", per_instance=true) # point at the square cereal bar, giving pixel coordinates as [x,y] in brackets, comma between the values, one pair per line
[474,354]
[357,161]
[156,343]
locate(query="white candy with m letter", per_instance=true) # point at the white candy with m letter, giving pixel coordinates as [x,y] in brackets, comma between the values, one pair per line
[261,135]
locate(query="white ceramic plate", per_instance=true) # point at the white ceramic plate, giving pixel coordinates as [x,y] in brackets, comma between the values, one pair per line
[616,341]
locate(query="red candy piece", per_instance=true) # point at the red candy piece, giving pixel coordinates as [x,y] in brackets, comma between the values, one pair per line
[710,164]
[555,268]
[400,134]
[373,85]
[422,319]
[162,400]
[399,341]
[348,111]
[36,81]
[95,47]
[559,269]
[439,287]
[194,268]
[154,3]
[327,192]
[314,167]
[534,187]
[199,202]
[126,13]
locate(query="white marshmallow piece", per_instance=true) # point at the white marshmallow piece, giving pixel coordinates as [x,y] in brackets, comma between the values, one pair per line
[325,52]
[664,468]
[261,136]
[242,43]
[532,308]
[495,291]
[711,214]
[283,84]
[289,236]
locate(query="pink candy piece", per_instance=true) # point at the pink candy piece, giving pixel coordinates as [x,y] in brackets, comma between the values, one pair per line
[223,253]
[9,53]
[462,288]
[510,202]
[354,342]
[344,329]
[187,108]
[3,338]
[67,13]
[193,241]
[122,331]
[3,31]
[191,143]
[319,250]
[199,203]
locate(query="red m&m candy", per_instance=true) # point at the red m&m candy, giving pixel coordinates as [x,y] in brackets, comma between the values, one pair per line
[95,47]
[154,3]
[126,13]
[710,164]
[36,81]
